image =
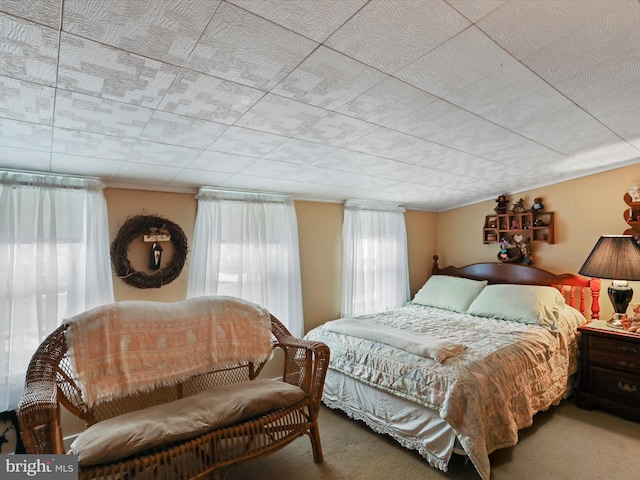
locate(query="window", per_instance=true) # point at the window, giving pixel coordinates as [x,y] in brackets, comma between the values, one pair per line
[54,259]
[375,272]
[246,245]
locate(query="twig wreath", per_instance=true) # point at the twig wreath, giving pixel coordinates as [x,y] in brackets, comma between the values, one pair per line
[141,225]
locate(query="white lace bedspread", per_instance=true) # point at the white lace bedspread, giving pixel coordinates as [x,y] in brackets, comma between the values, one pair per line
[508,372]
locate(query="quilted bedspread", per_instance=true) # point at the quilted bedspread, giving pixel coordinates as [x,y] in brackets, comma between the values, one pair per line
[490,390]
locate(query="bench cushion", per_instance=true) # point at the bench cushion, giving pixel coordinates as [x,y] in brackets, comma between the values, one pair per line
[134,432]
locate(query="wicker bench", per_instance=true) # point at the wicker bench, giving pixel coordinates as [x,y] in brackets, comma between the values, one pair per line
[216,419]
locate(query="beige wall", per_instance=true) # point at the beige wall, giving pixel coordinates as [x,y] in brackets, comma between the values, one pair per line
[319,230]
[585,209]
[180,208]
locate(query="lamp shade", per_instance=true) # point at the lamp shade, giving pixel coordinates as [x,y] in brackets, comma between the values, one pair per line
[615,257]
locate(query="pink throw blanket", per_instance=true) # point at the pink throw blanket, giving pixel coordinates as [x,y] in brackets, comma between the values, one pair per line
[134,346]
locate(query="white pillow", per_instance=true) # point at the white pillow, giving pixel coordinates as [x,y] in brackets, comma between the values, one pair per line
[530,304]
[450,293]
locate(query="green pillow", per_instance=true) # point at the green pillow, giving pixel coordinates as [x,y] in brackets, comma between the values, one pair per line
[449,293]
[530,304]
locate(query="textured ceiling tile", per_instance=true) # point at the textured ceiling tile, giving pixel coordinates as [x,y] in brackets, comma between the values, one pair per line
[14,133]
[165,30]
[356,162]
[385,103]
[431,176]
[385,142]
[601,151]
[221,162]
[526,26]
[175,129]
[314,20]
[620,114]
[274,114]
[430,154]
[23,158]
[312,174]
[30,102]
[612,35]
[94,69]
[498,90]
[559,166]
[287,187]
[97,115]
[202,96]
[415,150]
[483,138]
[281,170]
[300,151]
[408,173]
[244,48]
[328,79]
[336,129]
[79,143]
[85,165]
[494,124]
[432,119]
[162,154]
[243,141]
[390,34]
[474,10]
[600,90]
[561,126]
[463,60]
[367,182]
[28,51]
[530,155]
[461,163]
[191,176]
[535,114]
[46,12]
[147,174]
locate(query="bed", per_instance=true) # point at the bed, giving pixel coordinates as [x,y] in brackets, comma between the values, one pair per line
[466,364]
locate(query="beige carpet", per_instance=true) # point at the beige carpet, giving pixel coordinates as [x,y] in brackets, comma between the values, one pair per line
[564,443]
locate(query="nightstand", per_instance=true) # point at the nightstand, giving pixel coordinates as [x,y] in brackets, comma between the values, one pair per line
[610,370]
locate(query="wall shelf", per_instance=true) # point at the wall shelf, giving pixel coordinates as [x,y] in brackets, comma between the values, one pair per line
[537,227]
[632,216]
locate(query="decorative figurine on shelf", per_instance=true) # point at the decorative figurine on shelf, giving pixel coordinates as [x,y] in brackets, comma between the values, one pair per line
[525,247]
[503,255]
[519,207]
[156,256]
[634,193]
[502,204]
[537,205]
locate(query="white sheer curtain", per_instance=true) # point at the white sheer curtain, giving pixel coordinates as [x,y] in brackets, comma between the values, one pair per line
[54,263]
[375,269]
[246,245]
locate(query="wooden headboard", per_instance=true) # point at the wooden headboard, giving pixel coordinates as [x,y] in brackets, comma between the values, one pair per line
[570,285]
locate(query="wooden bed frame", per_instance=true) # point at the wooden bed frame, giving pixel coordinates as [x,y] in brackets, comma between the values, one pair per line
[571,286]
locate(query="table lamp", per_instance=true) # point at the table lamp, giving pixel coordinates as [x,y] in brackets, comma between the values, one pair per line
[617,258]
